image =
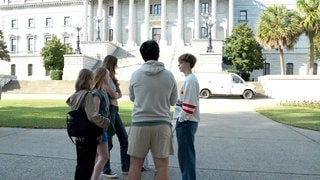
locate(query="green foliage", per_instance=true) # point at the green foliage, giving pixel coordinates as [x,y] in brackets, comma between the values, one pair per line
[278,28]
[242,50]
[56,74]
[4,53]
[53,52]
[310,10]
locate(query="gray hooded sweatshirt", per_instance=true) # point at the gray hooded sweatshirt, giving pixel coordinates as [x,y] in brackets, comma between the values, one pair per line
[153,90]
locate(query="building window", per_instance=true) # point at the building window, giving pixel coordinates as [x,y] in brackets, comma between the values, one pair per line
[243,15]
[111,11]
[204,8]
[315,68]
[30,66]
[30,44]
[156,34]
[110,34]
[13,69]
[13,47]
[31,23]
[66,21]
[14,24]
[155,9]
[49,22]
[289,68]
[47,38]
[204,32]
[266,68]
[66,40]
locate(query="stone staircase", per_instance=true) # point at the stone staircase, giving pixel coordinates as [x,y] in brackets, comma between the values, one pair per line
[39,87]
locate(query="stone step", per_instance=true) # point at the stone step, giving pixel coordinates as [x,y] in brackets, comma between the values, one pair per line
[39,87]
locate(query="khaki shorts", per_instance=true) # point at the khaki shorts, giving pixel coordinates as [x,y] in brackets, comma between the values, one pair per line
[156,138]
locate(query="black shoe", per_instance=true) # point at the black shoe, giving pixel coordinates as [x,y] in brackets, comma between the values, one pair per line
[111,175]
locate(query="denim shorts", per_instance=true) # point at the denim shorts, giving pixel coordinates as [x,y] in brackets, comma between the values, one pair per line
[104,136]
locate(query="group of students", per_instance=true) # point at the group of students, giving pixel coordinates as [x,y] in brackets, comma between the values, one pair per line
[153,90]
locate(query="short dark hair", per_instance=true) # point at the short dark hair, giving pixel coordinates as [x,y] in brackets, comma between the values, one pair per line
[191,59]
[149,50]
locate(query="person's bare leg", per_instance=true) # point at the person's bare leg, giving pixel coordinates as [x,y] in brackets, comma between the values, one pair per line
[162,168]
[102,158]
[135,168]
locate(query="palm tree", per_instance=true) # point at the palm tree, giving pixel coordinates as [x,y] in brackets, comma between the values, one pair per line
[278,28]
[310,10]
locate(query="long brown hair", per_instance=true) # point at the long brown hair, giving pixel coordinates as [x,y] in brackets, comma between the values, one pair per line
[110,62]
[84,80]
[99,76]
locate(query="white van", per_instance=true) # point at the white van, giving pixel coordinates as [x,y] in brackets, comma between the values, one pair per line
[224,84]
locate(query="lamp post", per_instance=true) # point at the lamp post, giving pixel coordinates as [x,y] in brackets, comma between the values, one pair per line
[98,19]
[78,29]
[208,22]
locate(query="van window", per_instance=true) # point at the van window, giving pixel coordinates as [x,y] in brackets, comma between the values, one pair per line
[236,79]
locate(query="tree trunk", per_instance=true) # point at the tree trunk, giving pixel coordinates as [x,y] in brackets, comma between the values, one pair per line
[281,62]
[311,54]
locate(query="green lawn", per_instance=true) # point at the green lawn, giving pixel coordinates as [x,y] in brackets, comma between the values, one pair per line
[52,114]
[297,116]
[44,113]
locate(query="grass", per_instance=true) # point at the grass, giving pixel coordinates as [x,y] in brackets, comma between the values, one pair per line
[51,114]
[47,114]
[306,117]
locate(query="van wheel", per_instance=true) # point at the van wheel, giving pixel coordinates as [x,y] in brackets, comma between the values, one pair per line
[247,94]
[205,93]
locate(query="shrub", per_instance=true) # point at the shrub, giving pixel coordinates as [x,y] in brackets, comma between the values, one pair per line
[56,74]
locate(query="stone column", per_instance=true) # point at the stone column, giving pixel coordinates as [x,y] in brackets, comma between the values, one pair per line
[115,22]
[230,18]
[180,23]
[145,34]
[130,42]
[196,19]
[90,23]
[214,17]
[163,37]
[85,20]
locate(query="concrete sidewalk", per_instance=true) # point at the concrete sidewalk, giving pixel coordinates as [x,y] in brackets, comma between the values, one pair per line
[233,142]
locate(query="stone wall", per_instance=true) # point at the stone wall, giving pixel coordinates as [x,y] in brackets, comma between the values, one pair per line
[291,87]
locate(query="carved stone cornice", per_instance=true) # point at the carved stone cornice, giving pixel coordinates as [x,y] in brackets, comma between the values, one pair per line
[41,4]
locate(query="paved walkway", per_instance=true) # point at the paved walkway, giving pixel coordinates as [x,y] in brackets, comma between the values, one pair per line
[233,143]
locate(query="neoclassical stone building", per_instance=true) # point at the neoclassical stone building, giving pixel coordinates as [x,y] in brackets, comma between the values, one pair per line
[96,28]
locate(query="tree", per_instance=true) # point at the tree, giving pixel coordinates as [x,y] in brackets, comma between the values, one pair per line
[4,53]
[310,10]
[278,28]
[52,54]
[242,50]
[317,47]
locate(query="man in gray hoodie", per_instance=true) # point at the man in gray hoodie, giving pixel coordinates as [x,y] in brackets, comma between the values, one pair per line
[153,90]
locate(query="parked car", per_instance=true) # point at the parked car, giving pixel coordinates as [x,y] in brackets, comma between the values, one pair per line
[224,84]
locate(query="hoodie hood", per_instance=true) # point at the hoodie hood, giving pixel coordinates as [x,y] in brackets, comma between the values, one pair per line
[152,67]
